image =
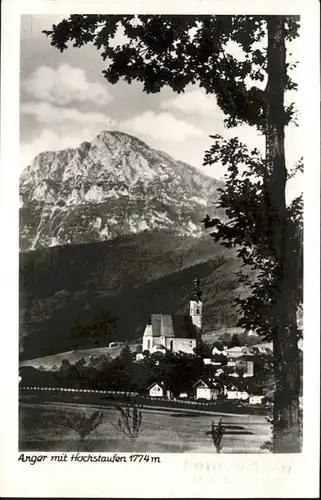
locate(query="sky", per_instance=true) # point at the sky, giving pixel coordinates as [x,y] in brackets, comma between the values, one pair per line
[64,100]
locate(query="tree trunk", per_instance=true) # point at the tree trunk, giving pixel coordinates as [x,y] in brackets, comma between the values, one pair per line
[286,427]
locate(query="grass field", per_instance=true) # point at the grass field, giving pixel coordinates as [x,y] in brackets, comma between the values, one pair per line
[48,362]
[163,431]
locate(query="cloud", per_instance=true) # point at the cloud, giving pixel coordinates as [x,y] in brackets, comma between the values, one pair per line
[59,128]
[50,140]
[65,84]
[163,127]
[46,141]
[193,101]
[46,113]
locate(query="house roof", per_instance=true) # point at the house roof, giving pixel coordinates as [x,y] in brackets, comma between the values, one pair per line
[160,384]
[173,325]
[237,383]
[218,352]
[236,349]
[211,384]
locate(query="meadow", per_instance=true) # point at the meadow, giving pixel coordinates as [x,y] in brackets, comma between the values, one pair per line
[163,430]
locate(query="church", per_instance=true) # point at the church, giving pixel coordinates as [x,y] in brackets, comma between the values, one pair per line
[176,332]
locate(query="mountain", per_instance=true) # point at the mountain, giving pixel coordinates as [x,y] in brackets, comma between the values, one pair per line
[112,186]
[110,232]
[85,296]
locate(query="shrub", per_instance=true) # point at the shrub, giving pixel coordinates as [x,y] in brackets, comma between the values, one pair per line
[82,424]
[129,420]
[217,434]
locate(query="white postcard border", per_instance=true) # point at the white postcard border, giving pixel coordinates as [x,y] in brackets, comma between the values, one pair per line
[186,475]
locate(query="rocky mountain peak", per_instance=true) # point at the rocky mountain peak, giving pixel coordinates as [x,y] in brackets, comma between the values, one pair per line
[115,184]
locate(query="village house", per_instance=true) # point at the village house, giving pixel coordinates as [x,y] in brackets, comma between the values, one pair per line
[256,399]
[264,349]
[246,364]
[156,390]
[210,361]
[175,332]
[216,359]
[236,352]
[207,389]
[235,391]
[216,351]
[243,365]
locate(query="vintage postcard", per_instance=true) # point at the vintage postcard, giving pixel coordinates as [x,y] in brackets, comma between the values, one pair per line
[160,191]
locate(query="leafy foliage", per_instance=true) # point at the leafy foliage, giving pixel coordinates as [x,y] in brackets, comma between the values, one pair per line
[203,350]
[177,371]
[176,51]
[250,229]
[129,420]
[82,423]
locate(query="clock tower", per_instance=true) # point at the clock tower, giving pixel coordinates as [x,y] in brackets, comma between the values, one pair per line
[196,304]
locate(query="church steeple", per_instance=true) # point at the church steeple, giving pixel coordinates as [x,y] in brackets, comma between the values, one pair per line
[197,292]
[196,304]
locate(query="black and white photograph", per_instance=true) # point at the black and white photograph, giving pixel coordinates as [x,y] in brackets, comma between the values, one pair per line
[160,258]
[161,235]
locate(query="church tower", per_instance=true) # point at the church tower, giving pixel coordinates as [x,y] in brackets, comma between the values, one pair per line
[196,304]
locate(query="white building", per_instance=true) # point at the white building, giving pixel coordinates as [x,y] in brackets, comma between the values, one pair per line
[170,332]
[233,391]
[195,312]
[256,400]
[206,389]
[247,365]
[236,352]
[175,332]
[209,361]
[241,365]
[156,390]
[215,351]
